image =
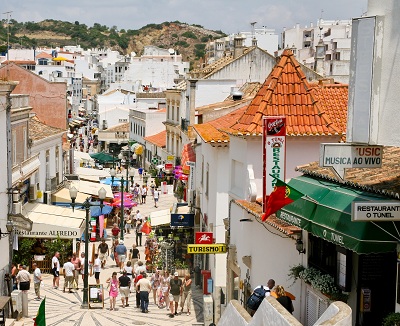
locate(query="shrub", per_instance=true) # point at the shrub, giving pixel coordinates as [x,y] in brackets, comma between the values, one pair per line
[189,34]
[392,319]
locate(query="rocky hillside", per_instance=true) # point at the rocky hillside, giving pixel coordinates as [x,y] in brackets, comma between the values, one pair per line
[188,40]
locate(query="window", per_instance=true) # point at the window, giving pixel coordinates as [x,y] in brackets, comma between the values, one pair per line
[25,143]
[57,160]
[14,147]
[47,164]
[207,179]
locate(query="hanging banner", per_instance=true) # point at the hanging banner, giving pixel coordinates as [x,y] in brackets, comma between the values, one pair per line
[182,219]
[274,152]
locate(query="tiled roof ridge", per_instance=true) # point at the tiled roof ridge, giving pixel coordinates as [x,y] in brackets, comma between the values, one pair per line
[385,178]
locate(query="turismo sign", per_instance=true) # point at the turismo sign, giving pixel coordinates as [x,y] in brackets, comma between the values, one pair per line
[217,248]
[375,211]
[345,156]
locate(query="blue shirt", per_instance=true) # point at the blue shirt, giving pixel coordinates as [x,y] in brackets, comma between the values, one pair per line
[120,249]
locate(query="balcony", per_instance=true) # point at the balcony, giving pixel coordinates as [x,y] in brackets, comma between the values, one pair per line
[184,124]
[22,171]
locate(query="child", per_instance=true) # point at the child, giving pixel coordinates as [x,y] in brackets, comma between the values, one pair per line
[113,284]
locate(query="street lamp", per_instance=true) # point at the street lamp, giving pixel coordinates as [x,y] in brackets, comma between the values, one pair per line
[73,193]
[121,216]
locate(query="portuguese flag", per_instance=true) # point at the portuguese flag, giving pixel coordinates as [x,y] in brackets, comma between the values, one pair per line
[282,195]
[40,319]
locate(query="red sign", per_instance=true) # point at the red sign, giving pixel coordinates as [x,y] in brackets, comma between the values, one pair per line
[168,166]
[204,238]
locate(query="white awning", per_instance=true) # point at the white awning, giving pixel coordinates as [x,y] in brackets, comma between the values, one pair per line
[63,196]
[94,172]
[92,188]
[161,217]
[50,221]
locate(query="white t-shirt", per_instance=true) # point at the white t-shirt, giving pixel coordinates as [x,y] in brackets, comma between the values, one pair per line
[266,288]
[97,265]
[156,194]
[36,275]
[144,191]
[55,263]
[140,269]
[144,285]
[69,268]
[83,266]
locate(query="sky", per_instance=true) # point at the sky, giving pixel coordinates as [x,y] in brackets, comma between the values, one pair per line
[229,16]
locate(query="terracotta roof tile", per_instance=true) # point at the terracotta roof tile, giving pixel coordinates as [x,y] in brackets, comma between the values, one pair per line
[384,180]
[44,55]
[314,109]
[159,139]
[210,132]
[255,209]
[38,130]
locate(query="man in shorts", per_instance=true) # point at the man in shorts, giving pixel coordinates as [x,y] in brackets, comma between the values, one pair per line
[124,288]
[55,265]
[121,251]
[68,275]
[175,293]
[103,252]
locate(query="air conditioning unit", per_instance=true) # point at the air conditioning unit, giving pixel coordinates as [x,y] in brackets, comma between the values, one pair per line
[17,208]
[47,197]
[33,192]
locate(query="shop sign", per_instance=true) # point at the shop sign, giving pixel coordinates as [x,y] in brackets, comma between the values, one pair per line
[170,158]
[217,248]
[48,234]
[375,211]
[344,156]
[204,238]
[274,151]
[182,220]
[168,166]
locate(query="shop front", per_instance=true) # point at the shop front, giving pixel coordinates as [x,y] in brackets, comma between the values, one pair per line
[360,256]
[173,232]
[50,223]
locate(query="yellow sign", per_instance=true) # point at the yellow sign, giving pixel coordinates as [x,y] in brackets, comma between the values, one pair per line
[170,157]
[217,248]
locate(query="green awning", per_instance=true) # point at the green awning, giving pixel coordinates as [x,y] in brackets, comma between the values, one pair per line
[104,157]
[325,211]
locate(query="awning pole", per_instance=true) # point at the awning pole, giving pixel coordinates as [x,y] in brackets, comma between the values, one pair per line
[394,224]
[385,231]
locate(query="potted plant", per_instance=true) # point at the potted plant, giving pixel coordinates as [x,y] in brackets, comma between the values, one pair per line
[25,253]
[393,319]
[181,267]
[294,272]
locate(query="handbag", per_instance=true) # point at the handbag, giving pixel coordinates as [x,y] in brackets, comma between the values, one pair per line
[74,285]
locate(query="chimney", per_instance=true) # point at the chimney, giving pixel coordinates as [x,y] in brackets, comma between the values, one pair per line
[237,46]
[254,42]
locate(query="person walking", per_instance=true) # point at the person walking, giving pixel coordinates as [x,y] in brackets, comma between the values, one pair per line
[121,251]
[261,289]
[144,286]
[103,252]
[83,266]
[68,274]
[124,288]
[186,293]
[97,268]
[37,280]
[115,231]
[144,194]
[155,284]
[139,226]
[152,187]
[24,279]
[138,277]
[135,255]
[175,291]
[156,196]
[113,292]
[165,279]
[55,265]
[77,269]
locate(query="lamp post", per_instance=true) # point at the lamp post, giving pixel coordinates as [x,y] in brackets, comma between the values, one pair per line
[73,192]
[121,216]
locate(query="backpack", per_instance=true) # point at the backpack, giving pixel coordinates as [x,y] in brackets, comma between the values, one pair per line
[255,299]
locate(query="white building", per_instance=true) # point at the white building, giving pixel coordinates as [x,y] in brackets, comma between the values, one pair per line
[336,37]
[264,38]
[157,69]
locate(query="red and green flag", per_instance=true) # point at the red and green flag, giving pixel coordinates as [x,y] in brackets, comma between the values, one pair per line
[282,195]
[40,319]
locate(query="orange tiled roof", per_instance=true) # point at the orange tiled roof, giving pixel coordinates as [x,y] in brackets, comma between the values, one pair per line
[159,139]
[44,55]
[384,180]
[19,62]
[212,131]
[38,130]
[255,209]
[287,92]
[188,155]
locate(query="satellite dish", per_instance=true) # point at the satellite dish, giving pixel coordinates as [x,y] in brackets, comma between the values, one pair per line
[171,51]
